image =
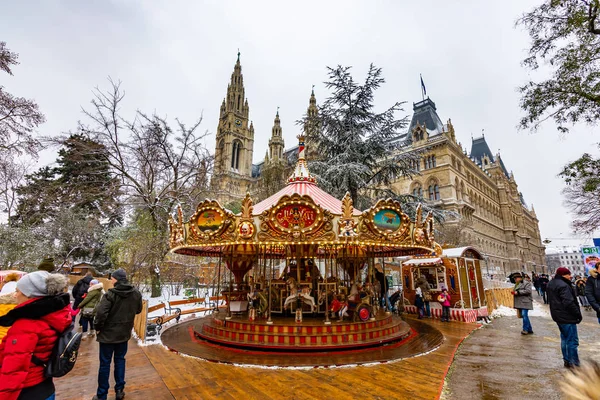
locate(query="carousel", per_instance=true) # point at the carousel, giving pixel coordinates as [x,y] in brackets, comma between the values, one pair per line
[302,271]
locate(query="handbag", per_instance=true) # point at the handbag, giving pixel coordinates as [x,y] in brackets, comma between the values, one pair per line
[427,296]
[88,312]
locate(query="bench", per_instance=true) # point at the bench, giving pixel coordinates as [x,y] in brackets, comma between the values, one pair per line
[154,325]
[200,302]
[172,305]
[213,301]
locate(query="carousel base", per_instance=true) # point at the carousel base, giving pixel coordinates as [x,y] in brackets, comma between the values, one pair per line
[284,334]
[413,338]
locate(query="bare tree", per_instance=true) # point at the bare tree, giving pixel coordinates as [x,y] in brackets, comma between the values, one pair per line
[12,175]
[19,117]
[158,166]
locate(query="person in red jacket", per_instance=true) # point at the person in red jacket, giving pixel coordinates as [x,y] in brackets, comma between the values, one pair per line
[42,312]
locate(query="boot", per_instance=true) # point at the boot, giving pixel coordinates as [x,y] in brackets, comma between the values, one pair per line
[120,394]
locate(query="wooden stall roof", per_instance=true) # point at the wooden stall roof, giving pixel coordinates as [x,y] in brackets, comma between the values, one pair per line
[461,252]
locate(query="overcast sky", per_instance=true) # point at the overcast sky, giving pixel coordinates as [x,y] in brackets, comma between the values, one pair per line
[176,57]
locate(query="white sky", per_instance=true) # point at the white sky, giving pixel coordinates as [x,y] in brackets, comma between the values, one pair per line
[176,57]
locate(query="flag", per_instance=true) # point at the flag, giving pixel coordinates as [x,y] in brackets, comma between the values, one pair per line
[423,86]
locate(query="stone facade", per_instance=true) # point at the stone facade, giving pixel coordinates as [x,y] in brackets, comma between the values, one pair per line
[477,186]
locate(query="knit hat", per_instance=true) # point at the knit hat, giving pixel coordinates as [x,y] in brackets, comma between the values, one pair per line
[47,264]
[119,274]
[34,284]
[562,271]
[94,282]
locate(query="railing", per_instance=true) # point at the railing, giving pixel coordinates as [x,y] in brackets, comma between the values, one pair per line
[139,323]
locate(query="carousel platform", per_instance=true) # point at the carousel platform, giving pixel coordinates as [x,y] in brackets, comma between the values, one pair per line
[311,335]
[419,338]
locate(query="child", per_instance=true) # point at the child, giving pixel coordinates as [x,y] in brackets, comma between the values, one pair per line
[444,299]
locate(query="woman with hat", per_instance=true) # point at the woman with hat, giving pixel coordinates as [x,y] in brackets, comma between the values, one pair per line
[523,301]
[42,312]
[88,305]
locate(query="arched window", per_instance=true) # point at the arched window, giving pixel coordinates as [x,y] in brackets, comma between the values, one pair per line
[436,192]
[433,161]
[417,190]
[235,155]
[431,192]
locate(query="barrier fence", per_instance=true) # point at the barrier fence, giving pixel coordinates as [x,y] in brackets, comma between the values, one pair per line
[498,297]
[139,323]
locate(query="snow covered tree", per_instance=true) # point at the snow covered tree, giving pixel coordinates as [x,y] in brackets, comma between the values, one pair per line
[357,146]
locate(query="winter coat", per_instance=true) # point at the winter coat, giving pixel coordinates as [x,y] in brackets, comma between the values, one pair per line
[562,298]
[447,298]
[115,313]
[7,303]
[425,288]
[9,287]
[543,283]
[80,289]
[34,331]
[522,296]
[592,290]
[419,298]
[580,287]
[93,297]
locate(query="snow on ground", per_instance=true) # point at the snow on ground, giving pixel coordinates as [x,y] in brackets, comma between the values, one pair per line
[538,311]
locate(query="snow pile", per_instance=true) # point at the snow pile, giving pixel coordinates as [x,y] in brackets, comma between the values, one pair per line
[538,311]
[503,311]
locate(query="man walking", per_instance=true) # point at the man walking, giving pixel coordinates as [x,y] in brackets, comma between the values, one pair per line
[565,311]
[80,289]
[592,289]
[543,286]
[523,301]
[113,323]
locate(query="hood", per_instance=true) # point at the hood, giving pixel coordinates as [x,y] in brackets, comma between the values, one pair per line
[8,298]
[87,279]
[96,287]
[593,272]
[51,309]
[123,289]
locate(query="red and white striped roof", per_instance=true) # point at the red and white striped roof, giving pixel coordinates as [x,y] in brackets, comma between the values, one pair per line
[303,183]
[319,196]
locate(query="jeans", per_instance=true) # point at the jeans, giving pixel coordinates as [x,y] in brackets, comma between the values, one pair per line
[106,354]
[526,323]
[446,313]
[544,296]
[427,309]
[569,341]
[85,322]
[386,302]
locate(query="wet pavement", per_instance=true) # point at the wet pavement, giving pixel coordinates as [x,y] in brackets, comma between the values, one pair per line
[497,362]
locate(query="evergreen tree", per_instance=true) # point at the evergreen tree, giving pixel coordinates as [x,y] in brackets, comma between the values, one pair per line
[358,147]
[75,202]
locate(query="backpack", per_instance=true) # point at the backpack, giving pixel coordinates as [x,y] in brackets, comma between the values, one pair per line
[64,354]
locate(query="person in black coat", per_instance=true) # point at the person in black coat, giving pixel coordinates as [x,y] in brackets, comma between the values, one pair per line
[80,289]
[543,282]
[592,290]
[565,311]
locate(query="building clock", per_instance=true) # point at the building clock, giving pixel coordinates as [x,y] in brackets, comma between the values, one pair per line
[238,122]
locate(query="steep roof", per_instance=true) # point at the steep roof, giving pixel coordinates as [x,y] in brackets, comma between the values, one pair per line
[480,149]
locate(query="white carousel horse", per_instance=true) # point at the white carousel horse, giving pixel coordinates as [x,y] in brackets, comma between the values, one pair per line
[304,295]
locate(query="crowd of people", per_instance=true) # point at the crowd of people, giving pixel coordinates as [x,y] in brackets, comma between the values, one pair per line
[37,309]
[565,295]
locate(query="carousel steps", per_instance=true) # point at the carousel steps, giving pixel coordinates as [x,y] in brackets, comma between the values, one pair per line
[296,337]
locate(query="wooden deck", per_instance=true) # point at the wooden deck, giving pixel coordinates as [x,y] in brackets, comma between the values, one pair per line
[156,373]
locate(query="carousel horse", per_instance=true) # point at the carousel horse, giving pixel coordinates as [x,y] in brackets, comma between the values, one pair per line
[295,294]
[263,300]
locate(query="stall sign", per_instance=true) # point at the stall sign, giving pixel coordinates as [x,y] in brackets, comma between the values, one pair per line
[591,255]
[296,215]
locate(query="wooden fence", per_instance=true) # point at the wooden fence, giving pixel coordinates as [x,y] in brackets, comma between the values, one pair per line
[498,297]
[139,323]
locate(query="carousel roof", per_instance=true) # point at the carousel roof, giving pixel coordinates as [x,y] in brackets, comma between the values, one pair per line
[303,183]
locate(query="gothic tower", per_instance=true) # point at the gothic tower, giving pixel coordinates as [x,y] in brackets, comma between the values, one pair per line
[234,141]
[276,143]
[311,127]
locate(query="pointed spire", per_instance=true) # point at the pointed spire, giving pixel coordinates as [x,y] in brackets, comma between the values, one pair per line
[301,172]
